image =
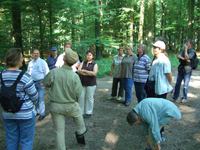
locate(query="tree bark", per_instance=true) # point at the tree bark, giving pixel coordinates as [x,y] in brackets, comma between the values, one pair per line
[97,32]
[190,18]
[141,24]
[16,22]
[150,25]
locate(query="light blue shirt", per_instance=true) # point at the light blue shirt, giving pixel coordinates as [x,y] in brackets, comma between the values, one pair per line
[158,72]
[155,111]
[38,69]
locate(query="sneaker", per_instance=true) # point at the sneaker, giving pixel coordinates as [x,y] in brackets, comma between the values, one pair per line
[41,118]
[183,100]
[111,97]
[119,98]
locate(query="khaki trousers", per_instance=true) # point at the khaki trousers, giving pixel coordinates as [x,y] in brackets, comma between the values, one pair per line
[59,113]
[151,139]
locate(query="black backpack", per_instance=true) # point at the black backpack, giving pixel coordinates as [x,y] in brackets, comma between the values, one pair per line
[8,98]
[195,62]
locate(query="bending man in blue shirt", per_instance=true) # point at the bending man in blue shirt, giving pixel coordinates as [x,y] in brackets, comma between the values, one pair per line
[153,114]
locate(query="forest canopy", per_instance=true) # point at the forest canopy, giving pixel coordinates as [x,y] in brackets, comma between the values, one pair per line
[99,25]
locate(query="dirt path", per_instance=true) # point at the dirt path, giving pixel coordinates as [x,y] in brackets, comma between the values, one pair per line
[108,129]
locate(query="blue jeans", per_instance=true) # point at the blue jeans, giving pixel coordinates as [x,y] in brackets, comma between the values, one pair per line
[127,85]
[140,91]
[40,105]
[182,75]
[20,131]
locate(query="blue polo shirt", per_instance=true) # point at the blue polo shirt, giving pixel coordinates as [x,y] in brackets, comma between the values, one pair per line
[51,61]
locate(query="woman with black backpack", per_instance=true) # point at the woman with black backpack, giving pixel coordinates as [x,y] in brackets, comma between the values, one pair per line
[19,114]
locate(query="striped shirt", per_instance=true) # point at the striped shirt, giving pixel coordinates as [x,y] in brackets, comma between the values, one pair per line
[51,61]
[141,68]
[24,87]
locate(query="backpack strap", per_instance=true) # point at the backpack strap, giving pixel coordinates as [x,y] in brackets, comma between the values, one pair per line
[18,78]
[2,83]
[16,81]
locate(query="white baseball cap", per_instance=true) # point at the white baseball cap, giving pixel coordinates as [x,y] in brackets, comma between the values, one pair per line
[159,44]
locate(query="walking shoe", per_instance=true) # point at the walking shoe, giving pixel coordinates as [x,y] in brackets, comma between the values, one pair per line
[183,100]
[80,138]
[127,103]
[87,115]
[41,118]
[111,97]
[175,101]
[119,98]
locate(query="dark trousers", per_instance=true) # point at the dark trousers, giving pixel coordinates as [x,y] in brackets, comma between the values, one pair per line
[140,91]
[115,86]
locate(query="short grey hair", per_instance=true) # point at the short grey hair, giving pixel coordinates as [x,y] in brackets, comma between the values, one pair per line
[132,117]
[144,47]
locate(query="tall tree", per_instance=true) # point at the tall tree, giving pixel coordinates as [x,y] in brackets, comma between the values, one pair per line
[150,24]
[190,18]
[141,24]
[97,31]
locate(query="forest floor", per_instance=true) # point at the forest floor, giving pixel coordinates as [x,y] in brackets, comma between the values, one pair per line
[108,129]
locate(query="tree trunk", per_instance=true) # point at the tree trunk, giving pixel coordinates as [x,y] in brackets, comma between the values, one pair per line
[16,22]
[97,32]
[162,19]
[154,18]
[141,24]
[41,32]
[50,24]
[198,28]
[190,18]
[73,30]
[150,25]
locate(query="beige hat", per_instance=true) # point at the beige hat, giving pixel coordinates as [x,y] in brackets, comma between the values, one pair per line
[71,56]
[159,44]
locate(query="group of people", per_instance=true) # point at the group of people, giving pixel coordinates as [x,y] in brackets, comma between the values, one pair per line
[71,84]
[152,80]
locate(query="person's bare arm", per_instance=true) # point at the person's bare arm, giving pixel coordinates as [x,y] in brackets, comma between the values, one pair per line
[169,78]
[187,58]
[120,71]
[91,73]
[180,57]
[112,67]
[81,71]
[147,140]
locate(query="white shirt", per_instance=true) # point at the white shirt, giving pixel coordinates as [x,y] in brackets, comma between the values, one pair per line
[60,62]
[38,69]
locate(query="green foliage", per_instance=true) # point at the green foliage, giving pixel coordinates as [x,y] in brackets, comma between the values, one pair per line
[104,67]
[4,67]
[174,61]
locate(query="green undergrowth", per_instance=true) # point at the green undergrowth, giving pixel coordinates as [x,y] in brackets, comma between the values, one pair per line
[104,67]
